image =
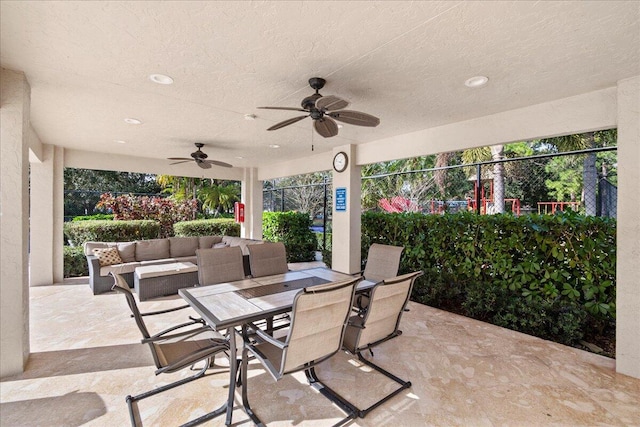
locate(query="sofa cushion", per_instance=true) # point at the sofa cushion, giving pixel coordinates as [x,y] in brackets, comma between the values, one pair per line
[239,241]
[107,256]
[219,245]
[90,246]
[183,246]
[128,267]
[127,251]
[191,259]
[205,242]
[152,249]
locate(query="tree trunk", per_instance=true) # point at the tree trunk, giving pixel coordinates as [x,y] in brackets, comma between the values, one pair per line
[497,153]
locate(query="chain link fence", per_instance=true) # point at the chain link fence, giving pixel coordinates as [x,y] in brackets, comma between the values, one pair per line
[584,181]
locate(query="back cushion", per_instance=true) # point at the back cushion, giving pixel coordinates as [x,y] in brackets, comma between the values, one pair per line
[206,242]
[127,251]
[90,246]
[183,246]
[147,250]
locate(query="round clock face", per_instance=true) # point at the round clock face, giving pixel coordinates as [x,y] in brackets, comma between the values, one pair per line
[340,162]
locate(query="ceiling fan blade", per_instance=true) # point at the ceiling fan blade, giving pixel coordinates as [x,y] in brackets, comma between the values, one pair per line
[177,163]
[331,103]
[355,118]
[204,165]
[282,108]
[326,127]
[287,122]
[217,163]
[178,158]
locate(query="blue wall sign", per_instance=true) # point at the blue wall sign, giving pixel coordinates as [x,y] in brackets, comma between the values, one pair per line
[341,199]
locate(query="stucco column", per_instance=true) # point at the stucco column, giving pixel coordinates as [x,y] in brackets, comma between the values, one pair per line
[14,217]
[345,238]
[251,196]
[41,219]
[628,248]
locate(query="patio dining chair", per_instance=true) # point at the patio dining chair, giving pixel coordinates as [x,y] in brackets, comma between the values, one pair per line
[378,323]
[267,259]
[219,265]
[383,262]
[318,320]
[176,348]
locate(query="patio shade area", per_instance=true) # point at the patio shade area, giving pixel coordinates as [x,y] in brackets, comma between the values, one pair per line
[86,357]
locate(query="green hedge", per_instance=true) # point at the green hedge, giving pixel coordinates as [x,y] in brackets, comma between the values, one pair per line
[548,276]
[75,263]
[94,217]
[207,227]
[110,231]
[292,229]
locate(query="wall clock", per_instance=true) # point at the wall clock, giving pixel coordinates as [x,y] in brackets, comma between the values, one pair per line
[340,161]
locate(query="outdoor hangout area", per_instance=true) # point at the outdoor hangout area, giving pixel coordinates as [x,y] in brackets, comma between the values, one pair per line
[462,372]
[319,213]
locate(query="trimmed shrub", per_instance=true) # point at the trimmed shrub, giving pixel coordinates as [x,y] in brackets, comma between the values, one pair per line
[292,229]
[207,227]
[548,276]
[75,263]
[94,217]
[110,231]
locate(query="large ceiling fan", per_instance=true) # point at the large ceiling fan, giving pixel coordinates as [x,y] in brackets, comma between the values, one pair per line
[200,158]
[325,110]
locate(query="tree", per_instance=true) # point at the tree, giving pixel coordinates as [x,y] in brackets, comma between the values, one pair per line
[584,141]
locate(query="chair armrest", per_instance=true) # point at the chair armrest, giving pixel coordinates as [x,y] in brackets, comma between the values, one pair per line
[267,338]
[162,336]
[169,310]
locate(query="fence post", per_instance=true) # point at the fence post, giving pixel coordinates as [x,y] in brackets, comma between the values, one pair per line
[282,205]
[478,183]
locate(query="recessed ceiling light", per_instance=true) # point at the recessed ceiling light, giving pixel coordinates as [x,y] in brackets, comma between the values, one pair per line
[132,121]
[476,81]
[239,157]
[119,141]
[274,146]
[161,79]
[250,116]
[339,126]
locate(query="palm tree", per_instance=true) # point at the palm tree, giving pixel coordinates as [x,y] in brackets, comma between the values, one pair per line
[482,154]
[589,173]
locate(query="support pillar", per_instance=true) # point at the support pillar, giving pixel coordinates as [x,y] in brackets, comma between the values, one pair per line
[41,219]
[346,223]
[14,222]
[628,237]
[251,196]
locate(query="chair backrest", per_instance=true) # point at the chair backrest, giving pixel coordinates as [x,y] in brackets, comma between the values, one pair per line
[318,320]
[120,285]
[383,262]
[267,259]
[388,300]
[219,265]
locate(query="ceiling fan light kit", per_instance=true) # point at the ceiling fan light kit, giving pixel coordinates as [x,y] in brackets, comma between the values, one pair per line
[324,111]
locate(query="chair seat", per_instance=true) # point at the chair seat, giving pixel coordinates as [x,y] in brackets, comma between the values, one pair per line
[172,352]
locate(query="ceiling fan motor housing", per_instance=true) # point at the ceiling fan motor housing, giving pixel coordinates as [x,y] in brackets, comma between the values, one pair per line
[309,102]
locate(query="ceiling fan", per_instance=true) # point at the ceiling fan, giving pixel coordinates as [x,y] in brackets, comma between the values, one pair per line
[325,110]
[200,158]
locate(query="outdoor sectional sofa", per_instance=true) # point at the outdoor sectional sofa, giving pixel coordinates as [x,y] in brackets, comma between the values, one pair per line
[153,252]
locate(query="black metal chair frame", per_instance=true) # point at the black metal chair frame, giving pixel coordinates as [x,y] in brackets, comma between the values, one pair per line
[363,314]
[189,360]
[251,332]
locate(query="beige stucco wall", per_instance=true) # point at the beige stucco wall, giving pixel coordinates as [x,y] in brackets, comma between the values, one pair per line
[14,217]
[628,253]
[41,236]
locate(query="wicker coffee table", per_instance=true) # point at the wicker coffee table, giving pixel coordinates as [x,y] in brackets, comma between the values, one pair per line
[164,279]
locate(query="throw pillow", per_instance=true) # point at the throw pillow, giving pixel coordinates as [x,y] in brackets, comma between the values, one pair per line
[219,245]
[108,256]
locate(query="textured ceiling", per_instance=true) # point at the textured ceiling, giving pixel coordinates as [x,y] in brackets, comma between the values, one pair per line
[406,62]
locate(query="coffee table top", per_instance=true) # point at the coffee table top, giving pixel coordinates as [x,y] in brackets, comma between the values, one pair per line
[157,270]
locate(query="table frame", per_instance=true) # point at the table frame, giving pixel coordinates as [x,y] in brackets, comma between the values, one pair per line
[222,308]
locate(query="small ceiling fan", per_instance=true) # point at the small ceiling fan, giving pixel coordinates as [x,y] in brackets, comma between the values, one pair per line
[325,111]
[200,158]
